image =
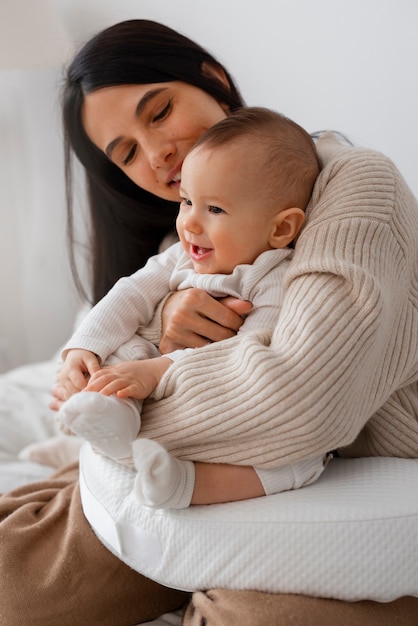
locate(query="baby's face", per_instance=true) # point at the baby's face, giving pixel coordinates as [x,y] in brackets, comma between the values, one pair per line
[221,222]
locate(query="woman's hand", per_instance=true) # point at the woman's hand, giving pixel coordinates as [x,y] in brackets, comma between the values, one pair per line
[191,318]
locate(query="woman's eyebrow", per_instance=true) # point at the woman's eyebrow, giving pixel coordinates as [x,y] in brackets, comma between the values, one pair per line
[149,95]
[146,98]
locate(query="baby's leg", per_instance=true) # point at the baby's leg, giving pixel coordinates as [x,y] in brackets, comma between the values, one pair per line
[162,480]
[107,422]
[294,476]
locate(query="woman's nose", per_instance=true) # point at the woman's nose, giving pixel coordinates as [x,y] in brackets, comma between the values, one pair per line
[160,153]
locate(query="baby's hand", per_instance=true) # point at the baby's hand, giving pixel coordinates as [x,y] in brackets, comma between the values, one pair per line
[133,379]
[76,370]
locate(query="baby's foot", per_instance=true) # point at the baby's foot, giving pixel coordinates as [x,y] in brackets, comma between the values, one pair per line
[108,423]
[162,481]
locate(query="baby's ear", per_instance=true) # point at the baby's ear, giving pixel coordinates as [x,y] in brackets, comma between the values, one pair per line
[286,225]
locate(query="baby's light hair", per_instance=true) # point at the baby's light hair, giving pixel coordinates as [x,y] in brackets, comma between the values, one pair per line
[284,153]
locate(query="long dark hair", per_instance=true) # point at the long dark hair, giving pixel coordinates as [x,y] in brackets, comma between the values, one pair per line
[127,223]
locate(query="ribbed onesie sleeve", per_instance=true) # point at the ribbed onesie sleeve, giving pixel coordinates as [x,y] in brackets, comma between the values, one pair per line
[129,305]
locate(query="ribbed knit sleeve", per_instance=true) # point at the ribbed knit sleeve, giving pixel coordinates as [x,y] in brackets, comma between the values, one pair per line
[345,342]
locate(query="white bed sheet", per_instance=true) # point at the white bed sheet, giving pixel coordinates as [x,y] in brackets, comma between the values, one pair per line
[24,418]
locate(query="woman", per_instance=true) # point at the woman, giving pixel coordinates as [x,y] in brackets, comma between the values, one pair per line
[136,98]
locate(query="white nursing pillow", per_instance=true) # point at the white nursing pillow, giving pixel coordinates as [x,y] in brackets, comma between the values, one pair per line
[352,535]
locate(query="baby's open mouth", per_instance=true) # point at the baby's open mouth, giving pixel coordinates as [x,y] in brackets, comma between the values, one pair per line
[199,251]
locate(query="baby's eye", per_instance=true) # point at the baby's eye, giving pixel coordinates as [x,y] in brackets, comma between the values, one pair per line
[216,210]
[161,115]
[186,202]
[129,156]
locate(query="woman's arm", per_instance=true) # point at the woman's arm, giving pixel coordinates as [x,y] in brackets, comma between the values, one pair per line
[186,316]
[320,379]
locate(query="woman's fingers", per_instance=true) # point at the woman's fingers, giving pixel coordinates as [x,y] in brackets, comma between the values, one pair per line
[241,307]
[191,318]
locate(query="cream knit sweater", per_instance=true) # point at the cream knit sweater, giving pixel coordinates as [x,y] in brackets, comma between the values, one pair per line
[341,368]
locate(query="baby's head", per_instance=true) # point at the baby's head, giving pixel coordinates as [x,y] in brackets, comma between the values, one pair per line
[244,188]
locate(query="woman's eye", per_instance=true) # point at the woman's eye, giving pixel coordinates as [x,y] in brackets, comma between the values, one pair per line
[129,156]
[216,210]
[161,115]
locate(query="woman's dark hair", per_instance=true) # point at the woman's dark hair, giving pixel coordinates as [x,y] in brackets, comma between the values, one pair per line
[127,223]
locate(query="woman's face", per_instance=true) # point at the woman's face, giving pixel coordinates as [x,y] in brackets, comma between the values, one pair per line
[147,130]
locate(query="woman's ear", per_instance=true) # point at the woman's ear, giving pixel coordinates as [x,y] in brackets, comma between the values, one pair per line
[215,71]
[286,225]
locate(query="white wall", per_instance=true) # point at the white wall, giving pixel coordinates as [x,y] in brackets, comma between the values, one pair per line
[350,65]
[37,298]
[345,64]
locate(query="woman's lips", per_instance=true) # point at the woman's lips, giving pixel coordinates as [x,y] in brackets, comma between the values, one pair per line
[175,182]
[174,178]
